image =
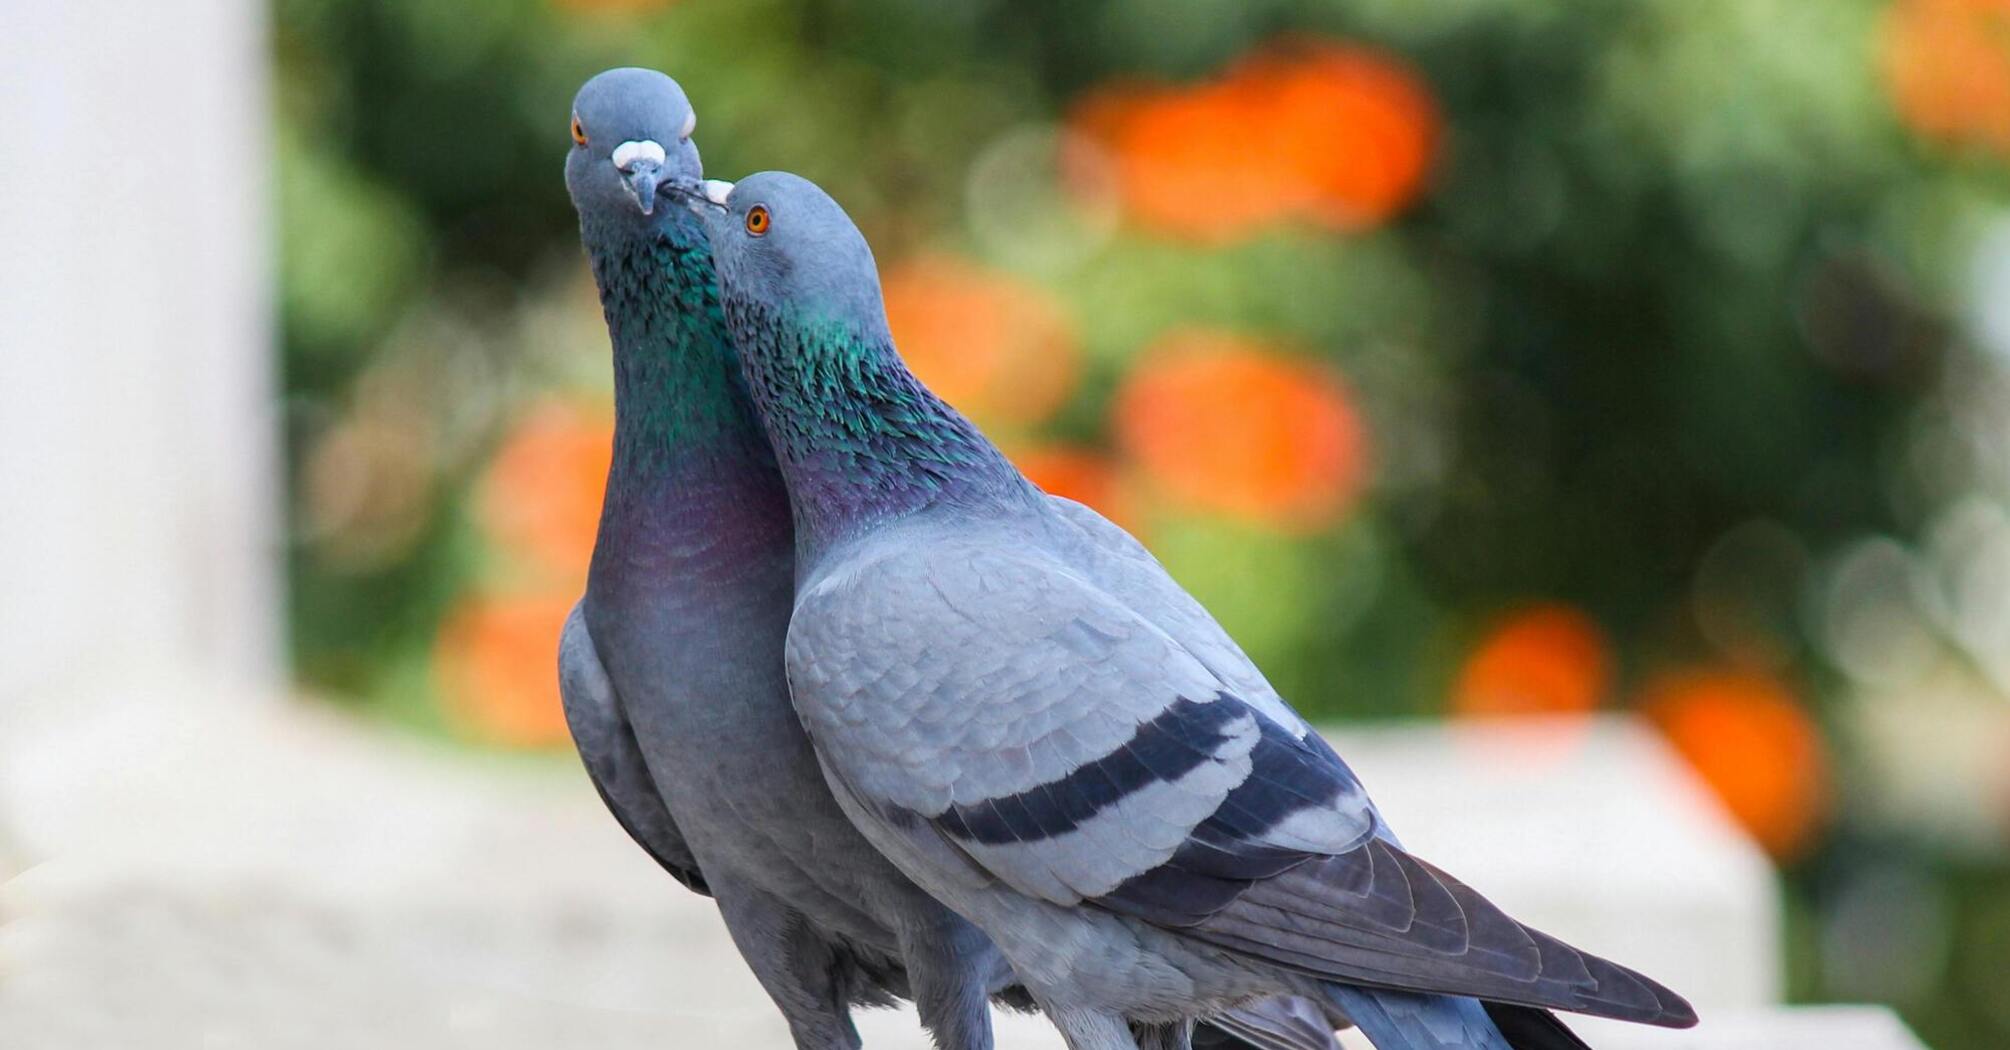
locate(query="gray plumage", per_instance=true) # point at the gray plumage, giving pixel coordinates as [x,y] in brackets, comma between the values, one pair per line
[671,664]
[1015,703]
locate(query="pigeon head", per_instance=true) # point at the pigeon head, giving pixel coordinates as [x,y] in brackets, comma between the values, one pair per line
[631,139]
[780,242]
[857,436]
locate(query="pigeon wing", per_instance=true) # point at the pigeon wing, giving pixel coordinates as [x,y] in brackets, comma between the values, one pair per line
[1121,566]
[993,697]
[1060,740]
[613,758]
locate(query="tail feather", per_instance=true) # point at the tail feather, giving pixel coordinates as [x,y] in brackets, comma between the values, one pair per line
[1528,1028]
[1413,1021]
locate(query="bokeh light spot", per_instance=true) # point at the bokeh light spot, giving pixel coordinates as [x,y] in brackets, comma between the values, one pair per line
[1340,135]
[1947,64]
[1545,659]
[1042,198]
[996,347]
[367,490]
[494,665]
[1229,424]
[1751,741]
[540,499]
[611,7]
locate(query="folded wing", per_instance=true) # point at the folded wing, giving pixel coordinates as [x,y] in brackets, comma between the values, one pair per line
[613,758]
[1071,748]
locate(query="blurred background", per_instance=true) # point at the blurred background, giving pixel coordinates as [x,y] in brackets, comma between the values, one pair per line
[1468,359]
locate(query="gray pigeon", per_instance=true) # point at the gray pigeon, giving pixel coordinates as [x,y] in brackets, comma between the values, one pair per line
[1012,700]
[671,664]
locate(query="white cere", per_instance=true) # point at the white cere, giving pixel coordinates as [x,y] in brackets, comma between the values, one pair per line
[690,125]
[716,191]
[628,154]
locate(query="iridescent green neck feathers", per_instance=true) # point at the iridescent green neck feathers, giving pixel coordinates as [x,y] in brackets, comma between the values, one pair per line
[677,385]
[859,439]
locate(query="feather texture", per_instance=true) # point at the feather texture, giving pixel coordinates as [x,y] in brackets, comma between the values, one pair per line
[613,758]
[1026,713]
[1056,738]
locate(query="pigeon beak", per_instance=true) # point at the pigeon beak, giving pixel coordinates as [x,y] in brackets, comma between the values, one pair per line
[708,194]
[641,167]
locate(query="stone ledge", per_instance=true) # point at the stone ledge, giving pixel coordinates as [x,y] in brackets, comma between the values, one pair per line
[224,875]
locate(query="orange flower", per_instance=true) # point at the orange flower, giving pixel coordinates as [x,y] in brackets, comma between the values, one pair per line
[496,663]
[1750,740]
[1543,659]
[1947,64]
[541,496]
[1080,474]
[1228,424]
[1356,130]
[996,347]
[1193,162]
[1337,134]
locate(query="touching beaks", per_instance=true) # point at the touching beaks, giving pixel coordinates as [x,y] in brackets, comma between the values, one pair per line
[704,194]
[641,167]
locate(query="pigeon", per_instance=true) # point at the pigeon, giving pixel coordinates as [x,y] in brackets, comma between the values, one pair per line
[1015,702]
[670,665]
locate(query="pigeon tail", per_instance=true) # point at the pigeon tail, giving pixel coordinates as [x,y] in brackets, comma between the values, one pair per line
[1409,1021]
[1529,1028]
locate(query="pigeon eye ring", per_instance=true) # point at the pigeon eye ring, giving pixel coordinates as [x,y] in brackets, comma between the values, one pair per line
[758,220]
[578,131]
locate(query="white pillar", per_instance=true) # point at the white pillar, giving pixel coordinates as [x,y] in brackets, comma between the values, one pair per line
[138,475]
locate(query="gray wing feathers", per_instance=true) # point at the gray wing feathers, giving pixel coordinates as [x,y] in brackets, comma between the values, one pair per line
[1271,1024]
[1381,917]
[965,675]
[1369,913]
[1066,742]
[613,759]
[1061,740]
[1122,566]
[976,690]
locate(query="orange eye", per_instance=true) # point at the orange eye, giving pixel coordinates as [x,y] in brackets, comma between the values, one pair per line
[757,219]
[578,130]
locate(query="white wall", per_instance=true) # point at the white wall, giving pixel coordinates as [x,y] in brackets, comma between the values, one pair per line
[138,520]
